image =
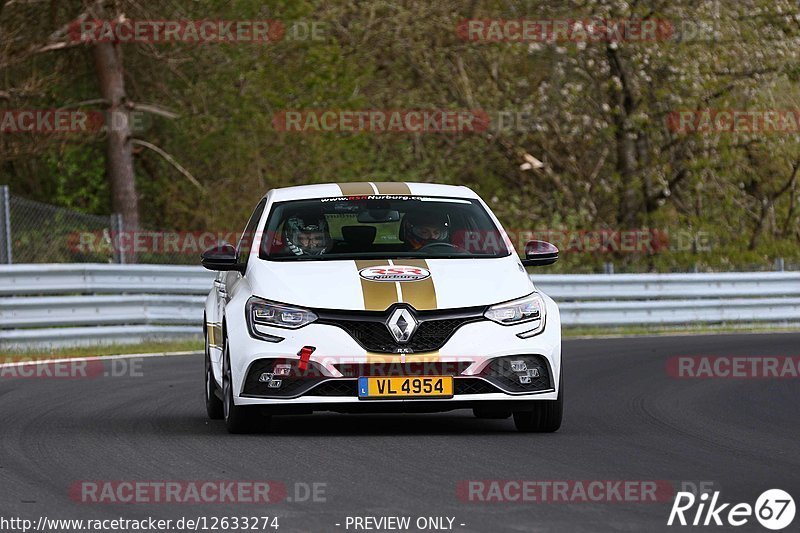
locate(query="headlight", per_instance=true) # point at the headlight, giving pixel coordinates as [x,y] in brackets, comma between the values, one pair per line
[262,312]
[531,308]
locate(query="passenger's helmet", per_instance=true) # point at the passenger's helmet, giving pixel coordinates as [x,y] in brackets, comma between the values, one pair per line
[305,235]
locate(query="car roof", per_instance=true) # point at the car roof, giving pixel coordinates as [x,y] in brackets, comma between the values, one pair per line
[332,190]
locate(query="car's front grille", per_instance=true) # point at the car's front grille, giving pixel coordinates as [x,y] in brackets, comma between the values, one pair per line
[473,386]
[370,331]
[336,387]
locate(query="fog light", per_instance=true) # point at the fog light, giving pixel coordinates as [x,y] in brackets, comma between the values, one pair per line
[519,373]
[269,379]
[524,374]
[282,370]
[518,366]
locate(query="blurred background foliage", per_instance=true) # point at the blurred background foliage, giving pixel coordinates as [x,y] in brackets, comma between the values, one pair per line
[594,115]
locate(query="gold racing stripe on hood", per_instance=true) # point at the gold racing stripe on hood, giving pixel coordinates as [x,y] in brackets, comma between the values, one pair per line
[421,295]
[393,187]
[378,295]
[356,188]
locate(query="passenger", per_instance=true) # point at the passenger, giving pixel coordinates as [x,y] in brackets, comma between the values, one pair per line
[307,235]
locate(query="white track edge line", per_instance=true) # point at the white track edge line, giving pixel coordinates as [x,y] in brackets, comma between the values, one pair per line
[96,358]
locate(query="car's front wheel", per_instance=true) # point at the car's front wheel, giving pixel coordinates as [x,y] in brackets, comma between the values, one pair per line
[238,418]
[546,415]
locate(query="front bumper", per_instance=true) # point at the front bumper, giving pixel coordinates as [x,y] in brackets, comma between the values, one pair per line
[470,351]
[396,406]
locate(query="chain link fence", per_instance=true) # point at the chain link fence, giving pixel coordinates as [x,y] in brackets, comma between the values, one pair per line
[35,232]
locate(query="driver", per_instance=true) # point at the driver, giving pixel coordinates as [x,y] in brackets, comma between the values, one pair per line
[423,229]
[305,235]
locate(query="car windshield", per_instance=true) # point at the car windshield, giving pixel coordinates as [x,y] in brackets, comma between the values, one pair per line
[380,227]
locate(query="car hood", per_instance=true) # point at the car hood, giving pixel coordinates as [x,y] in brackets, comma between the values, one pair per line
[329,284]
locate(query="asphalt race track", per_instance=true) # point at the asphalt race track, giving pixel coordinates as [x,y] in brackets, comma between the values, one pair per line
[626,419]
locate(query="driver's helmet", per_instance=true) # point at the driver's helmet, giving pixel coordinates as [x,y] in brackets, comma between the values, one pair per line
[422,229]
[307,235]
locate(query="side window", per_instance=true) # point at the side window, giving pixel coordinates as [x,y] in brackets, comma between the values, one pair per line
[246,240]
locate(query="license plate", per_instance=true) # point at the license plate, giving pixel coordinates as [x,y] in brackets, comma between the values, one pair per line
[405,387]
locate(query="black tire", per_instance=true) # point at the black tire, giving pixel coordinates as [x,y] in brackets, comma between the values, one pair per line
[488,414]
[238,418]
[546,415]
[214,407]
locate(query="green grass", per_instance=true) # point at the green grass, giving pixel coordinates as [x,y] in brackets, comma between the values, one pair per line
[704,329]
[191,345]
[196,345]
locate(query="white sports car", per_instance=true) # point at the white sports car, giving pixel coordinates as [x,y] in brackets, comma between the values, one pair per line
[379,297]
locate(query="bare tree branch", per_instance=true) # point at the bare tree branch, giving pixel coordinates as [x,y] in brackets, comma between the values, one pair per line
[171,160]
[154,109]
[54,41]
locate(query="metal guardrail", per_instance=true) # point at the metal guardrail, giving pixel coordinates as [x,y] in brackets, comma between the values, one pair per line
[32,339]
[75,278]
[84,304]
[674,299]
[55,311]
[70,304]
[563,287]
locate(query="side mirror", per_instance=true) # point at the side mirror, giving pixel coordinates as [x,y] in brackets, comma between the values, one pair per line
[540,253]
[221,257]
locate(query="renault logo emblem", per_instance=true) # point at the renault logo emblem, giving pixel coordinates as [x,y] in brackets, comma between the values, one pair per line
[402,325]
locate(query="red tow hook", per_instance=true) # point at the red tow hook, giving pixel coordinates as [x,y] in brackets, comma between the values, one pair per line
[305,354]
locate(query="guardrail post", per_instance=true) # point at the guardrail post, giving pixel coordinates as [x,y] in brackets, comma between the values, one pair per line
[779,264]
[608,268]
[5,226]
[117,227]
